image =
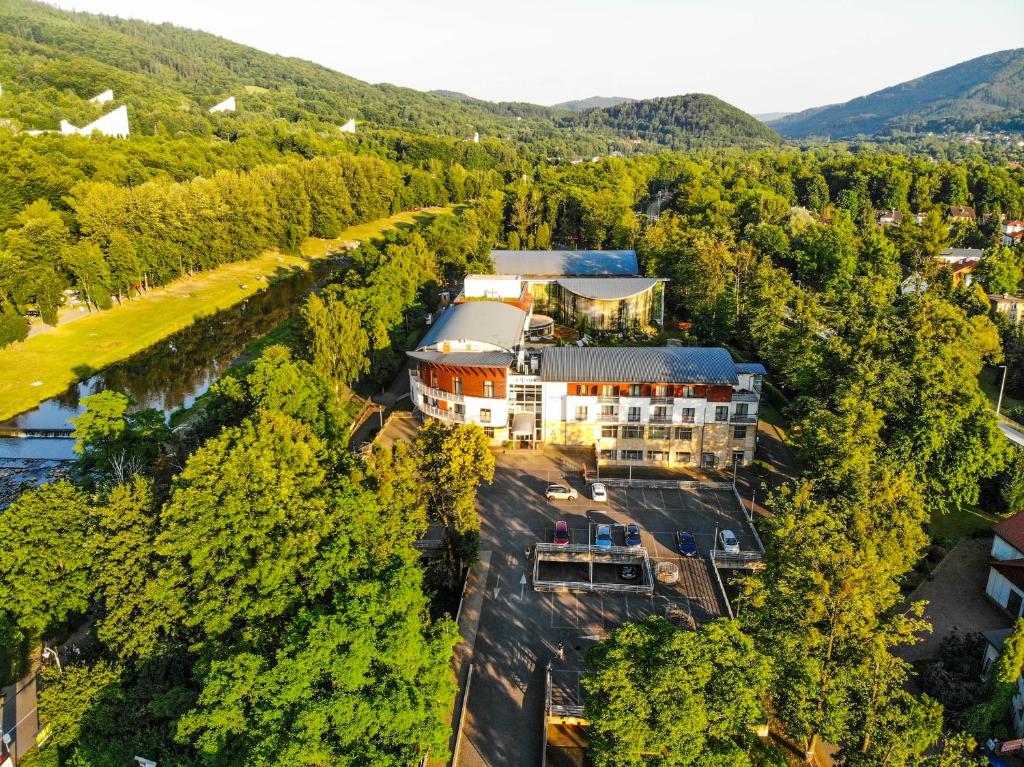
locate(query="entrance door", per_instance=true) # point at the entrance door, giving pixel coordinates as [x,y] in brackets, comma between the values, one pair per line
[1014,602]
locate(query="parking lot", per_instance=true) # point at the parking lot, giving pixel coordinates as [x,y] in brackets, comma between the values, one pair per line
[520,629]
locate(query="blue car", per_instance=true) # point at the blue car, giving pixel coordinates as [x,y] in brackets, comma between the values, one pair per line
[603,539]
[685,544]
[632,534]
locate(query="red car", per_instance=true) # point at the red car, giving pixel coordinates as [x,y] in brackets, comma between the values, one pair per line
[561,533]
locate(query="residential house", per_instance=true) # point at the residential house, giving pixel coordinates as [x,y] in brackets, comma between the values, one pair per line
[951,256]
[889,217]
[962,213]
[993,647]
[1006,570]
[1011,306]
[1013,232]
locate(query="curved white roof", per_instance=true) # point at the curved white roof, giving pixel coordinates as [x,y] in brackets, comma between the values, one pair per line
[607,288]
[489,322]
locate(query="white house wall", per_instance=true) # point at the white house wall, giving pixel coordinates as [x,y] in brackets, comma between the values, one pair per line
[1002,551]
[999,588]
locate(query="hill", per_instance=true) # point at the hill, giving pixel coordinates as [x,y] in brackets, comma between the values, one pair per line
[986,91]
[681,122]
[53,61]
[769,117]
[594,102]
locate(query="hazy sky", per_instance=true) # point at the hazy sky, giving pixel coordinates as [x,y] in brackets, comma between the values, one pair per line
[761,55]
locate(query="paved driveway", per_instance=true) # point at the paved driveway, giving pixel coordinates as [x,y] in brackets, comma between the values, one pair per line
[956,598]
[519,629]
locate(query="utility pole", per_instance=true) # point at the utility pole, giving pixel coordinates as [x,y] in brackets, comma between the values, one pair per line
[999,402]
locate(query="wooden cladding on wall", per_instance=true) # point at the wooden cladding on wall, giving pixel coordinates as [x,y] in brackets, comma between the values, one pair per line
[473,379]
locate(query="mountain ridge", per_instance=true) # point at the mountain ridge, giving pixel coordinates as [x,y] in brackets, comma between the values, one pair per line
[987,90]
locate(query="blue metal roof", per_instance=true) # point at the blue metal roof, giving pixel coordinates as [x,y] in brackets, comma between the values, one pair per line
[751,367]
[565,263]
[638,364]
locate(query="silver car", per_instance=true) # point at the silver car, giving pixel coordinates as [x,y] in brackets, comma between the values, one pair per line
[561,493]
[730,543]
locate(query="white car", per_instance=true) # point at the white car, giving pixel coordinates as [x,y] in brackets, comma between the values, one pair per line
[598,492]
[730,543]
[561,493]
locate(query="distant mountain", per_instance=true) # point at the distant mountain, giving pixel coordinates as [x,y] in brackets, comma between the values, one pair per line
[986,91]
[769,117]
[594,102]
[681,122]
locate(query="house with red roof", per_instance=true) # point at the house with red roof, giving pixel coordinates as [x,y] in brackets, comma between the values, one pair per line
[1006,570]
[1013,232]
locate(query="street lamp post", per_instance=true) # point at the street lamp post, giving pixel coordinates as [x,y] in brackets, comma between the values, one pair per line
[999,402]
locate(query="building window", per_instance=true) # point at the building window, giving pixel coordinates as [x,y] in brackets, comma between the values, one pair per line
[433,378]
[633,416]
[737,457]
[609,432]
[488,388]
[632,455]
[684,433]
[708,460]
[581,390]
[661,413]
[607,390]
[739,432]
[687,415]
[485,415]
[684,457]
[659,432]
[581,412]
[688,390]
[634,390]
[459,408]
[661,390]
[457,385]
[609,455]
[657,455]
[741,408]
[722,413]
[608,411]
[632,432]
[489,432]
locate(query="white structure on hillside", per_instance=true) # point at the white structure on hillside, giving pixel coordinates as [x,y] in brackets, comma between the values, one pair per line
[114,124]
[349,127]
[103,98]
[476,138]
[227,105]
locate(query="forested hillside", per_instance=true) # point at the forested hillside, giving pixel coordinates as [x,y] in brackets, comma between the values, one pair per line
[986,91]
[682,121]
[594,102]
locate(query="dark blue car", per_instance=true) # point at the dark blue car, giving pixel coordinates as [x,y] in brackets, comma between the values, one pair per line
[685,544]
[632,534]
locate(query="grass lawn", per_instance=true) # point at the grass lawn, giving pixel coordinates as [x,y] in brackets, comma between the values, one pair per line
[951,526]
[46,364]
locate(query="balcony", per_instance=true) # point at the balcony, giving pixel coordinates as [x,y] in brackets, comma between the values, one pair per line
[746,418]
[660,419]
[443,415]
[608,418]
[430,391]
[608,400]
[662,400]
[745,396]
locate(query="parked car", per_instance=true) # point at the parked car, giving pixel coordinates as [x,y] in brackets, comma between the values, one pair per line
[629,572]
[598,492]
[561,533]
[561,493]
[685,544]
[632,534]
[603,539]
[730,544]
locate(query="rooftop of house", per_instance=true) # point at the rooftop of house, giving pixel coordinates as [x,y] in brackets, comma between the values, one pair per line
[489,322]
[1011,529]
[1005,298]
[565,263]
[644,364]
[960,254]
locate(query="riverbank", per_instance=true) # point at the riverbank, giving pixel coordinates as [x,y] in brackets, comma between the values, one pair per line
[46,364]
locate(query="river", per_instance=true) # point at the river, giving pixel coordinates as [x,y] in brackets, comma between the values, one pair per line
[172,373]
